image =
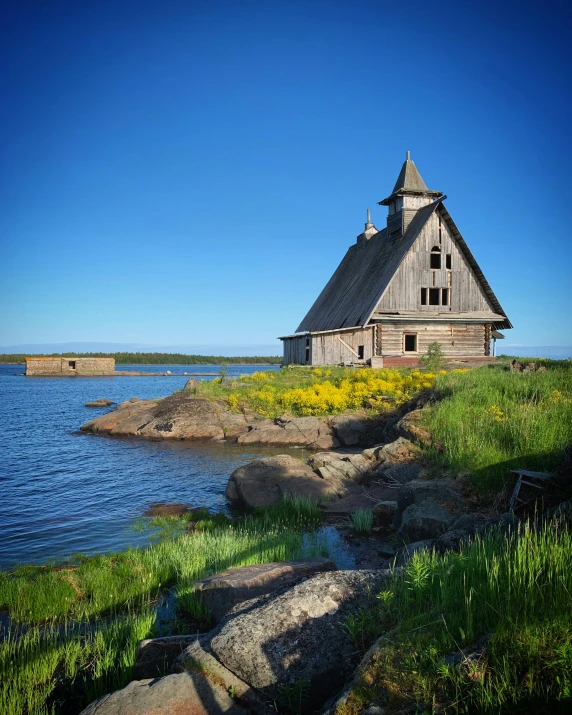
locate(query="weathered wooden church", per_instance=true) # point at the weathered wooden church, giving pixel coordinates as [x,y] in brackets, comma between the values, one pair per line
[400,289]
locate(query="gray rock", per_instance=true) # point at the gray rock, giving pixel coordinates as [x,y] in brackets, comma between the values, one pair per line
[179,694]
[298,636]
[179,416]
[155,656]
[350,429]
[197,658]
[424,520]
[411,427]
[266,481]
[387,514]
[451,540]
[221,592]
[191,384]
[401,451]
[309,432]
[443,491]
[402,473]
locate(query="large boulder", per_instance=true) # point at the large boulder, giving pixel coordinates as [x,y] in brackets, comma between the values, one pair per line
[425,520]
[221,592]
[179,416]
[266,481]
[400,451]
[351,430]
[412,427]
[187,693]
[309,432]
[298,636]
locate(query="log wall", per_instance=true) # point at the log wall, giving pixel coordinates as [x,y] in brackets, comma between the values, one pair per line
[456,340]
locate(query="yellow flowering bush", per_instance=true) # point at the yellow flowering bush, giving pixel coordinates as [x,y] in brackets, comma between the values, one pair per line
[496,413]
[352,390]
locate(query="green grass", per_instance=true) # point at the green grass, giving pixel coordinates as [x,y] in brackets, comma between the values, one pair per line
[489,420]
[510,592]
[85,618]
[362,520]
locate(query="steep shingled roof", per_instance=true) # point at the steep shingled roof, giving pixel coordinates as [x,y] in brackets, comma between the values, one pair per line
[353,292]
[409,178]
[360,280]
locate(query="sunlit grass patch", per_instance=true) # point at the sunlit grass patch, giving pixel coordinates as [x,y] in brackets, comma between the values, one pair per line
[491,420]
[75,627]
[481,630]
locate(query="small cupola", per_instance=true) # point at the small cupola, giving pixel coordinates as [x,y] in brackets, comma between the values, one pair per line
[409,194]
[370,230]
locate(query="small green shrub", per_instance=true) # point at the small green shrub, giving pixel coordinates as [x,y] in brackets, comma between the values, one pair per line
[432,360]
[362,520]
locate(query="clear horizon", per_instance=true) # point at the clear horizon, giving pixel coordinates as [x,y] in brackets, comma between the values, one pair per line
[158,192]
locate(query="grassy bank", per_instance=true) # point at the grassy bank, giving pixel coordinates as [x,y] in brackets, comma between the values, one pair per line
[320,391]
[486,630]
[488,420]
[75,627]
[124,358]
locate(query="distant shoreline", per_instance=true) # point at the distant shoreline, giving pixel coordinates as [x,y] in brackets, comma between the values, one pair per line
[157,358]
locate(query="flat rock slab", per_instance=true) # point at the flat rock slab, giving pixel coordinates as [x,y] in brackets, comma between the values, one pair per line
[179,416]
[265,481]
[309,432]
[367,499]
[179,694]
[103,402]
[298,636]
[424,520]
[221,592]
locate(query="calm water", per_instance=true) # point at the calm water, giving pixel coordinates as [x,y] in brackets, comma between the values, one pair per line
[63,493]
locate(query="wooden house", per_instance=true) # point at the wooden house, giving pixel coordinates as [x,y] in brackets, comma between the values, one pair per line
[400,289]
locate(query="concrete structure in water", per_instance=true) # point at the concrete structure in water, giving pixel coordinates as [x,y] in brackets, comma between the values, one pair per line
[401,289]
[69,366]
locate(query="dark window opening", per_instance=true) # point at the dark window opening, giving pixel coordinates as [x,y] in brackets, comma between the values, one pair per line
[71,364]
[410,343]
[435,259]
[423,296]
[307,349]
[360,352]
[448,261]
[445,296]
[433,296]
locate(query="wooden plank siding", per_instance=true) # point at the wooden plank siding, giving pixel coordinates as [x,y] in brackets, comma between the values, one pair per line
[456,340]
[328,349]
[414,273]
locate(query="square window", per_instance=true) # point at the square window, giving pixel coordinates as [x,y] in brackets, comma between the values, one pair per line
[71,364]
[410,343]
[433,296]
[448,261]
[435,261]
[423,296]
[444,296]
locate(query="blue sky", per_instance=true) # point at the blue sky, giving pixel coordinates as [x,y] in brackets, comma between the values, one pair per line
[192,172]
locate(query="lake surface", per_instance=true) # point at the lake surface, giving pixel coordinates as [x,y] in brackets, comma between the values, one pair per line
[63,492]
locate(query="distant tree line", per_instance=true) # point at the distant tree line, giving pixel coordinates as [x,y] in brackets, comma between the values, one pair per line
[159,358]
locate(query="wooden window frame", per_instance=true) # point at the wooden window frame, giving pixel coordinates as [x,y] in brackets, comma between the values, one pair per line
[410,335]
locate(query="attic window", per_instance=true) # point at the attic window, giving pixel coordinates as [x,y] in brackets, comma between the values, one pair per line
[433,296]
[423,296]
[444,296]
[410,343]
[448,261]
[435,258]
